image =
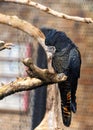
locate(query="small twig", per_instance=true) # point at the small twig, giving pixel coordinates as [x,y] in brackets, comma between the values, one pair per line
[4,45]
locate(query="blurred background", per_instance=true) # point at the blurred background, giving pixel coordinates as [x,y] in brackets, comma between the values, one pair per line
[19,111]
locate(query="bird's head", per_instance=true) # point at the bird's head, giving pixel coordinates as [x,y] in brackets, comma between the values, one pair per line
[50,38]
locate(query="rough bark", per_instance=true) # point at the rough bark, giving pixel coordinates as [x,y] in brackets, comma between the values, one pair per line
[51,11]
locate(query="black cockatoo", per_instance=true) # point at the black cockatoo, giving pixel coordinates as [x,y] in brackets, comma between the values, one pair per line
[67,60]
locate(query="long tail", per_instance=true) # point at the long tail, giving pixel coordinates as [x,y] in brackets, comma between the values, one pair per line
[65,93]
[74,84]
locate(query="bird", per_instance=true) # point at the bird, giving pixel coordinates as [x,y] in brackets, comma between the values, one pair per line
[66,59]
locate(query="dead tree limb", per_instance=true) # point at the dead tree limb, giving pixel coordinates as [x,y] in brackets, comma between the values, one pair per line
[28,83]
[25,26]
[51,11]
[24,83]
[43,74]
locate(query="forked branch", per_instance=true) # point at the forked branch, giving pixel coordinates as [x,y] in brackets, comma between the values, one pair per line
[37,77]
[4,45]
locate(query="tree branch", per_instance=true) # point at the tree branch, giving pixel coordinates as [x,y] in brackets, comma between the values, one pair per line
[28,83]
[43,74]
[4,45]
[23,25]
[50,11]
[26,27]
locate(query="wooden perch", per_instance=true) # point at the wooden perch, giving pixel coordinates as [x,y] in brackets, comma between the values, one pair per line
[50,11]
[25,26]
[37,78]
[43,74]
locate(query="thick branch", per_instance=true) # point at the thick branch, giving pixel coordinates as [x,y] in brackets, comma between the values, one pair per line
[28,83]
[43,74]
[20,84]
[23,25]
[50,11]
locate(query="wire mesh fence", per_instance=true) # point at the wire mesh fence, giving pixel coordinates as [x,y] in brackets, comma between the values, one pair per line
[80,33]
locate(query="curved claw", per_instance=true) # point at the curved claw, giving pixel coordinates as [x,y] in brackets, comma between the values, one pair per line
[62,76]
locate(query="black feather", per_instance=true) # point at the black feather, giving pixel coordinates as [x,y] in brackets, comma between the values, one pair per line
[66,60]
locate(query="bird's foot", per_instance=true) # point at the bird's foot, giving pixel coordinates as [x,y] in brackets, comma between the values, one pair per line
[61,75]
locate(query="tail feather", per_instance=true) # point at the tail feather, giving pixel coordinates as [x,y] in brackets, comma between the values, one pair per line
[65,93]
